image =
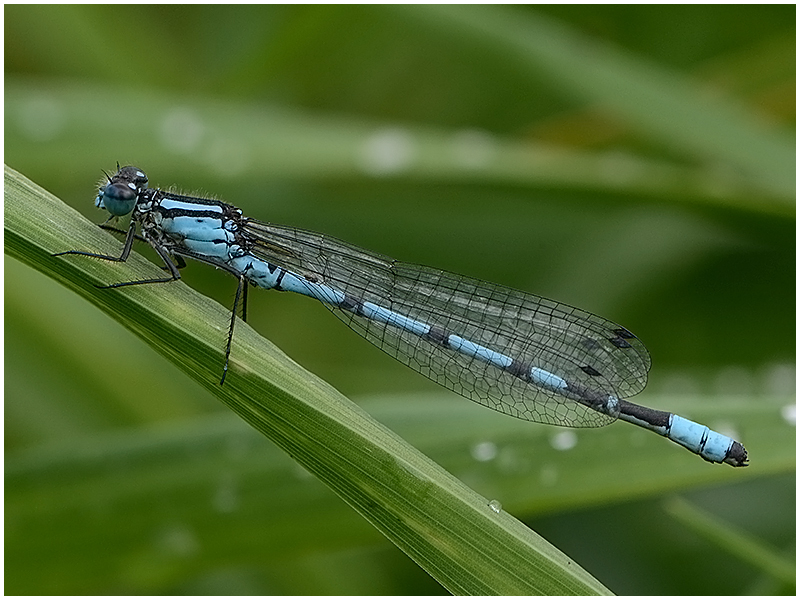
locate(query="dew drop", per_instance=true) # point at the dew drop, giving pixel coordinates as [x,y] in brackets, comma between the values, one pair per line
[564,440]
[386,152]
[484,451]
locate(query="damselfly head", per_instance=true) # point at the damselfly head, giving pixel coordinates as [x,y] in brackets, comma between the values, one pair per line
[120,194]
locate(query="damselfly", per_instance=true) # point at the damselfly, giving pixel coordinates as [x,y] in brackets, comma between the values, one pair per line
[519,354]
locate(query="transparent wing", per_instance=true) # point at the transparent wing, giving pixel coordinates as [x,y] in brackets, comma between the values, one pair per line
[583,349]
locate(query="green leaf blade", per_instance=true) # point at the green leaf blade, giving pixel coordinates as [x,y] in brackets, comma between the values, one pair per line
[443,525]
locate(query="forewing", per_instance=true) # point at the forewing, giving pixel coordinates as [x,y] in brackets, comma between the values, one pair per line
[586,350]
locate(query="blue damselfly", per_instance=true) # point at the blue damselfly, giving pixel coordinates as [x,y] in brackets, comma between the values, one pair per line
[514,352]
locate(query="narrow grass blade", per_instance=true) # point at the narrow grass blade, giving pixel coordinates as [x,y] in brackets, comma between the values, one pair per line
[448,529]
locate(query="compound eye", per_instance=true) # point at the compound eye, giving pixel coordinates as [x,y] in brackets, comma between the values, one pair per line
[117,198]
[132,174]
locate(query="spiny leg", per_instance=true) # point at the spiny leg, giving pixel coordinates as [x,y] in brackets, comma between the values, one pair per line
[169,265]
[126,248]
[244,304]
[239,295]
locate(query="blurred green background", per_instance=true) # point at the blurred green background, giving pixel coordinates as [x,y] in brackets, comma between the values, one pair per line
[637,162]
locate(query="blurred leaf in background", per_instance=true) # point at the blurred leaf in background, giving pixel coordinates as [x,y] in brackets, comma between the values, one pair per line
[637,162]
